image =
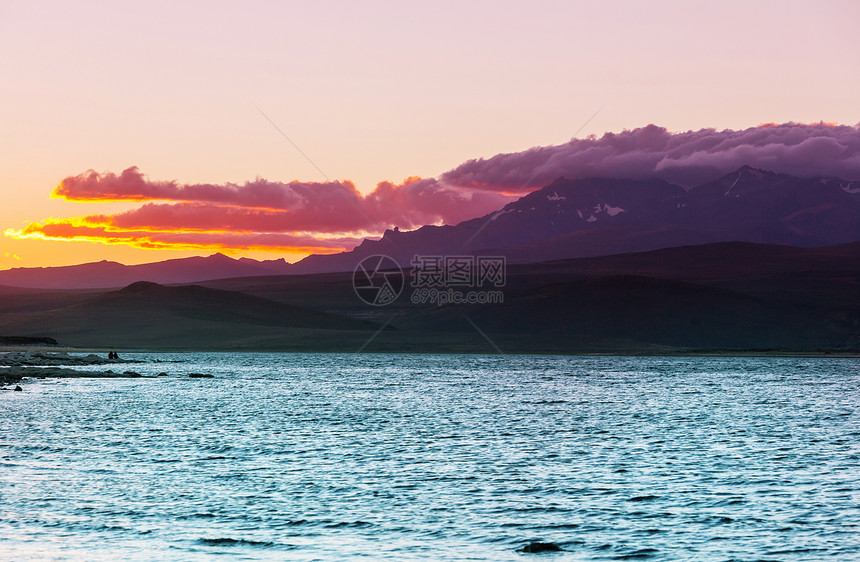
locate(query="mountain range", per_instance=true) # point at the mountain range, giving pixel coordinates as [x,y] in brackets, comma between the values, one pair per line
[566,219]
[595,217]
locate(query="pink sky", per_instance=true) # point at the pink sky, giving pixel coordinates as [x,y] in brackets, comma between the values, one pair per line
[374,91]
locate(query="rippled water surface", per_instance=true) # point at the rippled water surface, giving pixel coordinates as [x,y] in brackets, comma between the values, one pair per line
[319,457]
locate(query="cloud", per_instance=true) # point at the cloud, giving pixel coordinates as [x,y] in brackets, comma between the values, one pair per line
[283,207]
[689,158]
[259,215]
[417,202]
[324,217]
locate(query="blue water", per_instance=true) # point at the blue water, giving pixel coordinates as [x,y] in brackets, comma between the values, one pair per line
[327,457]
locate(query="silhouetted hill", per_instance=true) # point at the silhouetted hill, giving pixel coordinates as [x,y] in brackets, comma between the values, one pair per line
[203,303]
[717,262]
[107,274]
[731,295]
[659,311]
[146,314]
[828,274]
[716,297]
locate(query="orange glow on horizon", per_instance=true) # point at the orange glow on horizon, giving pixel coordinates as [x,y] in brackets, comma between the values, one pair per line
[80,229]
[108,227]
[143,242]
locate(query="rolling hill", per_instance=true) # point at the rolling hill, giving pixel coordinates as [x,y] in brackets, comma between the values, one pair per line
[107,274]
[148,315]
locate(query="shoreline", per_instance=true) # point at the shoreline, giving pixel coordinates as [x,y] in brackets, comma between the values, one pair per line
[824,354]
[22,364]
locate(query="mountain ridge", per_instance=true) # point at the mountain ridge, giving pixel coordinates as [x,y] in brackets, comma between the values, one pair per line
[563,220]
[603,216]
[109,274]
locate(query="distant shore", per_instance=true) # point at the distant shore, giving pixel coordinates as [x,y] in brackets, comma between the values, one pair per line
[460,351]
[19,364]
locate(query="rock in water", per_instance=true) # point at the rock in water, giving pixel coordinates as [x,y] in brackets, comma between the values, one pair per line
[538,547]
[200,376]
[19,389]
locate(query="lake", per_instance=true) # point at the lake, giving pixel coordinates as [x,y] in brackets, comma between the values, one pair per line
[454,457]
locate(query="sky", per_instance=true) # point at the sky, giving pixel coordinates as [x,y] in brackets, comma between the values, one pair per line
[275,129]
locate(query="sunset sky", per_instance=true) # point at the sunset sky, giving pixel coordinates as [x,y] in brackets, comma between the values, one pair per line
[160,126]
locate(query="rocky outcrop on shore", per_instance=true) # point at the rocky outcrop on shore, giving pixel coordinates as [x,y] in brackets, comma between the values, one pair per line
[18,366]
[59,358]
[11,375]
[7,377]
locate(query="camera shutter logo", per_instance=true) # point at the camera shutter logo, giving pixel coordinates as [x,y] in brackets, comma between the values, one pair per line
[378,280]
